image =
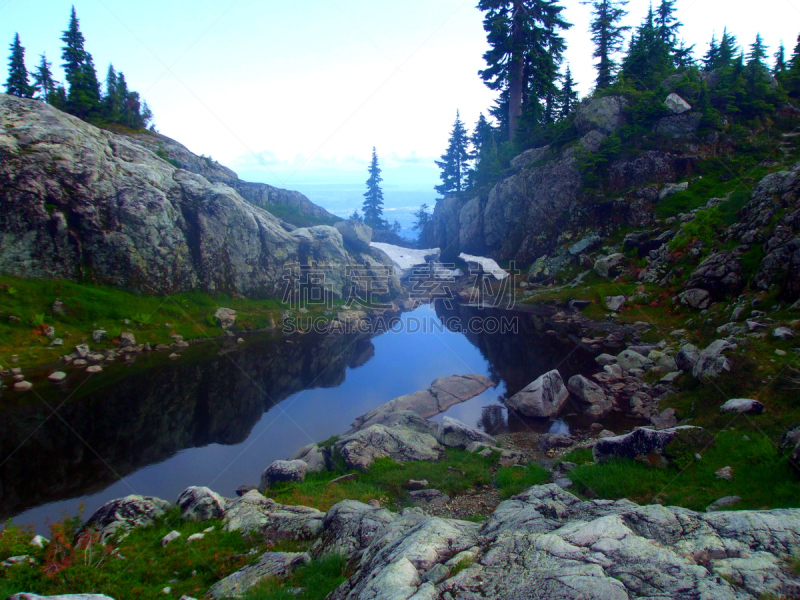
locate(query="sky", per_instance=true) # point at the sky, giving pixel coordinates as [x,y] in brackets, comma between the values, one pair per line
[296,93]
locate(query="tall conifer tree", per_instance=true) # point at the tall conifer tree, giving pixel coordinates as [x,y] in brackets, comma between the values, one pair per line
[526,49]
[780,61]
[711,59]
[454,164]
[17,83]
[373,197]
[608,36]
[43,80]
[83,96]
[568,99]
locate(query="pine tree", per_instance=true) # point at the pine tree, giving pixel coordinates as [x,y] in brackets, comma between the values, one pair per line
[17,83]
[43,80]
[422,218]
[484,153]
[792,77]
[608,37]
[568,98]
[373,198]
[454,163]
[83,96]
[526,49]
[112,103]
[684,56]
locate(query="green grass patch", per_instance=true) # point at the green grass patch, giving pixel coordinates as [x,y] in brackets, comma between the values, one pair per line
[315,581]
[763,478]
[144,570]
[514,480]
[385,481]
[90,307]
[296,216]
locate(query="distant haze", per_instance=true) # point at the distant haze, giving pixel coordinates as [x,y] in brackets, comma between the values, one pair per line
[297,93]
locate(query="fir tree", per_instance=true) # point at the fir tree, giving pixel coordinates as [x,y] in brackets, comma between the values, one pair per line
[17,83]
[758,53]
[667,23]
[454,163]
[608,37]
[373,197]
[526,49]
[727,49]
[112,103]
[568,98]
[711,59]
[83,96]
[792,76]
[649,58]
[43,80]
[684,56]
[780,61]
[422,220]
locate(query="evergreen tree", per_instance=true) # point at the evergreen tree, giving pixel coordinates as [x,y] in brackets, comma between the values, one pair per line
[568,98]
[373,198]
[711,59]
[17,83]
[780,61]
[43,80]
[422,221]
[112,103]
[454,163]
[667,23]
[727,49]
[526,50]
[83,96]
[791,79]
[684,56]
[649,58]
[758,54]
[608,37]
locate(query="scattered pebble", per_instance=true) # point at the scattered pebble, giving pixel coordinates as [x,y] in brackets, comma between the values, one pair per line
[725,473]
[94,369]
[194,537]
[171,536]
[57,376]
[23,386]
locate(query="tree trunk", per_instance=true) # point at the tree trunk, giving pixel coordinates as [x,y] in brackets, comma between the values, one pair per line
[516,70]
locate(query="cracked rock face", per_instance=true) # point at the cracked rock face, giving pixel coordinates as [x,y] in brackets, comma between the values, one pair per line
[401,444]
[546,543]
[77,202]
[118,517]
[271,564]
[255,513]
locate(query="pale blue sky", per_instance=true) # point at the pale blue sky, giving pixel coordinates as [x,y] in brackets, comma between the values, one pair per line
[298,92]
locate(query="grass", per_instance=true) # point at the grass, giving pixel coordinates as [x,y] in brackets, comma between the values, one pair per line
[315,581]
[145,570]
[90,307]
[385,480]
[296,216]
[514,480]
[763,478]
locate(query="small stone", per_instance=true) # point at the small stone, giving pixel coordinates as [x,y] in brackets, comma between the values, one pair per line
[782,333]
[195,537]
[240,341]
[742,406]
[225,317]
[780,352]
[374,503]
[58,309]
[82,350]
[94,369]
[39,541]
[79,363]
[416,484]
[671,377]
[174,356]
[23,386]
[615,303]
[171,536]
[127,340]
[57,342]
[725,473]
[167,590]
[49,331]
[208,529]
[723,503]
[98,335]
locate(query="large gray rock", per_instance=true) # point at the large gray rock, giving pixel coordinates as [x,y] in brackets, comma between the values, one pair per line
[742,406]
[609,266]
[443,393]
[349,527]
[201,504]
[588,391]
[271,564]
[687,357]
[313,456]
[629,359]
[455,434]
[677,104]
[639,442]
[712,362]
[361,448]
[546,543]
[253,513]
[603,114]
[117,517]
[544,397]
[226,317]
[81,202]
[356,235]
[282,471]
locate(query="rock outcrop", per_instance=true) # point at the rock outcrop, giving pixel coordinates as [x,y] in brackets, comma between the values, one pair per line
[546,543]
[80,202]
[545,397]
[118,517]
